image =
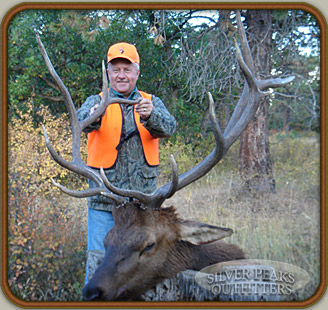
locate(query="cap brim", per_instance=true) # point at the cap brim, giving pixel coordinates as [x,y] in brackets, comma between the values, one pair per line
[124,57]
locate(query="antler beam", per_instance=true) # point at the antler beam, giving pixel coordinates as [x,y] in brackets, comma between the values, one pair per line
[77,165]
[244,111]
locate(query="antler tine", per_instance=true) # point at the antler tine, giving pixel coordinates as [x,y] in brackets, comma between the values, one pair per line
[248,59]
[106,100]
[219,138]
[76,129]
[77,165]
[247,105]
[210,160]
[245,110]
[243,42]
[154,200]
[123,192]
[253,89]
[174,183]
[88,192]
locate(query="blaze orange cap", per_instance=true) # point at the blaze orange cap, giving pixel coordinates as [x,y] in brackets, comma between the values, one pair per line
[123,50]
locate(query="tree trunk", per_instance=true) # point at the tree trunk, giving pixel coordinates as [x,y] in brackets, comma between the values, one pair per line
[255,162]
[286,116]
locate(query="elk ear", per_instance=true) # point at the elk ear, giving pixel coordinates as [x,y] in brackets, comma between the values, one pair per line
[199,233]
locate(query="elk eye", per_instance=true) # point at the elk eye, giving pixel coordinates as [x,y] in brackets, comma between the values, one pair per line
[147,248]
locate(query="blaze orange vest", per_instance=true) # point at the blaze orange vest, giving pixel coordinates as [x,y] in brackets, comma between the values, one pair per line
[102,143]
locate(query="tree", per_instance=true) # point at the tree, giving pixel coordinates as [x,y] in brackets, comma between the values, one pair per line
[185,54]
[296,48]
[77,42]
[255,162]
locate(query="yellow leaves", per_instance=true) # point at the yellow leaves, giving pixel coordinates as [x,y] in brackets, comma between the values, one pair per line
[19,262]
[44,239]
[159,40]
[153,30]
[29,158]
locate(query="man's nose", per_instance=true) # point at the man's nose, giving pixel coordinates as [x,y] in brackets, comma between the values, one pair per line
[121,74]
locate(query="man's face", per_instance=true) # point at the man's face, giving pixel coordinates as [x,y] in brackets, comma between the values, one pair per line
[123,76]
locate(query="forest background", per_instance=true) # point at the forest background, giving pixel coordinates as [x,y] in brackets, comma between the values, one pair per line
[184,54]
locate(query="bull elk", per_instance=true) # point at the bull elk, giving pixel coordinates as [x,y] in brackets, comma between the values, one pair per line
[149,243]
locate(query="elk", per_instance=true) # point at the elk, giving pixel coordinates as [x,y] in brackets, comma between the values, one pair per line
[149,242]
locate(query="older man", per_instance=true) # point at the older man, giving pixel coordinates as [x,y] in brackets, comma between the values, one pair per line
[124,141]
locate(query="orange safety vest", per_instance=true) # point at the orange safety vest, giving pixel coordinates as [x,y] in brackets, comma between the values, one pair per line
[102,143]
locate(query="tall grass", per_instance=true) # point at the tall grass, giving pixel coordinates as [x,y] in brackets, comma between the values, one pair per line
[283,226]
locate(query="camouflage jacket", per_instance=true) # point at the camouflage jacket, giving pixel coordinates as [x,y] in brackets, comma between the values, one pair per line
[131,170]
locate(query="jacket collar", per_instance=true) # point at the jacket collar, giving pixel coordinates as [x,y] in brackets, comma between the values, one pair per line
[131,96]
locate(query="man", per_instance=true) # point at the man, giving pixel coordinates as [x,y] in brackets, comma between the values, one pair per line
[124,141]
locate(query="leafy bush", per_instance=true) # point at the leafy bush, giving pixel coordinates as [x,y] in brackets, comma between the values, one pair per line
[30,165]
[46,239]
[187,155]
[46,250]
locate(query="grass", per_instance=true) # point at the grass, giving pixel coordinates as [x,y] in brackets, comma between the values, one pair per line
[281,227]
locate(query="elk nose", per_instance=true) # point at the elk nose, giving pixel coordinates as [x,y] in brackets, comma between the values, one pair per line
[92,293]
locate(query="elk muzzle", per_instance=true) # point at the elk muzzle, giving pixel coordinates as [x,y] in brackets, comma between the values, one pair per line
[94,292]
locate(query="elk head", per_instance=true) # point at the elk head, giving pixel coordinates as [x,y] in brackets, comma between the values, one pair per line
[147,246]
[149,243]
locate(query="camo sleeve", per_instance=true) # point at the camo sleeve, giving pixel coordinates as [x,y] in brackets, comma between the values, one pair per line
[84,112]
[161,124]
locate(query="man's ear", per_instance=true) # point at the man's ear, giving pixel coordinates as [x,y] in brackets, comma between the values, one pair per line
[199,233]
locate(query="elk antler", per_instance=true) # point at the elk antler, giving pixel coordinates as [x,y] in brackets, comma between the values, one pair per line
[77,165]
[244,111]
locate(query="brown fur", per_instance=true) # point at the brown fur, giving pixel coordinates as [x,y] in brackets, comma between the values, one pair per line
[145,247]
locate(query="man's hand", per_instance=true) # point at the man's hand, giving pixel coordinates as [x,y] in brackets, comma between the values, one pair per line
[144,108]
[93,109]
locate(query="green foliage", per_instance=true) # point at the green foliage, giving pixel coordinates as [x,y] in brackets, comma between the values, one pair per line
[180,61]
[296,49]
[76,42]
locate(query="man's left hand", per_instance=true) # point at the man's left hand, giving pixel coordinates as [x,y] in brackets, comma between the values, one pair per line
[144,108]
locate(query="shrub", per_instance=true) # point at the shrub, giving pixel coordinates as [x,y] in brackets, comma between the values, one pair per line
[46,250]
[187,155]
[46,239]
